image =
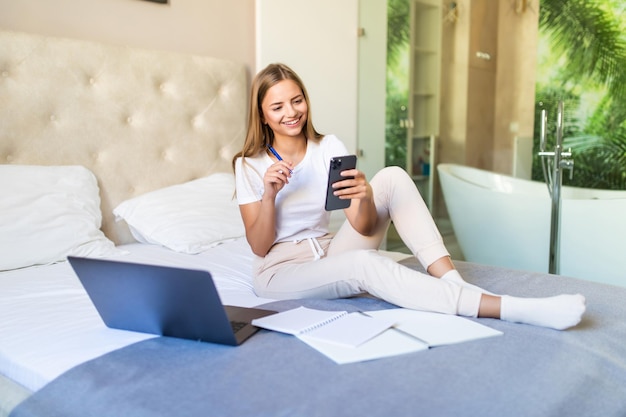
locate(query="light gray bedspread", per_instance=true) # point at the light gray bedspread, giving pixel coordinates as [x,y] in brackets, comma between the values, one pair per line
[529,371]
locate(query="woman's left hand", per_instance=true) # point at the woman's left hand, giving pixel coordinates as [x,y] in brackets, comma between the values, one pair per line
[362,211]
[356,188]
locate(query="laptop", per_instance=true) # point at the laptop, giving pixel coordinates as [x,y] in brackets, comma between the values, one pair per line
[163,300]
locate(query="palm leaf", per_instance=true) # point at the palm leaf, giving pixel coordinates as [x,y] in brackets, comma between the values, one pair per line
[591,37]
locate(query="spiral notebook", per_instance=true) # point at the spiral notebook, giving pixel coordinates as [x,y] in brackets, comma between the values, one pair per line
[337,327]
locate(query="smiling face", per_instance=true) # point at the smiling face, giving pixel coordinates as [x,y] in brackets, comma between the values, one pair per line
[285,109]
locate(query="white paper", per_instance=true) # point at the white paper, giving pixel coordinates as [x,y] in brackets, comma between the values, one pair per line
[434,328]
[413,331]
[389,343]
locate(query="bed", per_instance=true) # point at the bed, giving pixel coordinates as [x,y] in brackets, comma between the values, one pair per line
[117,152]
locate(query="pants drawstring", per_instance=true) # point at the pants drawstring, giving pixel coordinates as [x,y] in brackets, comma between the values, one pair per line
[316,248]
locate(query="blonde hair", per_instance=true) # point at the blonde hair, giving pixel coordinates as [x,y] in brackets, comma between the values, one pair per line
[260,135]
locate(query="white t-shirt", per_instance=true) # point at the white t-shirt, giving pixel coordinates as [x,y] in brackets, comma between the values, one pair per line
[300,204]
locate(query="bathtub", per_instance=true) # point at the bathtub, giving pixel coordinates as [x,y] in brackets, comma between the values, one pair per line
[505,221]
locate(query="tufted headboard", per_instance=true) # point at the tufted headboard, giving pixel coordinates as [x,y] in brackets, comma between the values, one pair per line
[139,119]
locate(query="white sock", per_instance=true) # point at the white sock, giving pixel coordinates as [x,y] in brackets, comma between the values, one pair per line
[454,276]
[558,312]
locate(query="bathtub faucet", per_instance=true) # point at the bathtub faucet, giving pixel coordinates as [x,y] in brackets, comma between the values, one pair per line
[553,163]
[563,163]
[557,160]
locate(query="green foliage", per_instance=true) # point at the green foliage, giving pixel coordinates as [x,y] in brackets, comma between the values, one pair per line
[587,43]
[598,148]
[398,32]
[589,33]
[398,29]
[395,143]
[604,161]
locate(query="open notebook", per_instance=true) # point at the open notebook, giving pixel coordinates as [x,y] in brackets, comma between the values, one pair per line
[335,327]
[386,333]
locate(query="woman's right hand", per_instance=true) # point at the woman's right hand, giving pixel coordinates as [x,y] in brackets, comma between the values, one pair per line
[276,176]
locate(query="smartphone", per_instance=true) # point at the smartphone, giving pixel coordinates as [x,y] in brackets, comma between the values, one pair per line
[338,164]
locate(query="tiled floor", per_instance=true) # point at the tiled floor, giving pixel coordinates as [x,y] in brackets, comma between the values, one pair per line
[394,243]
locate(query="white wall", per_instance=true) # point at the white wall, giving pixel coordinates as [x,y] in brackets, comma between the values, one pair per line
[372,85]
[319,40]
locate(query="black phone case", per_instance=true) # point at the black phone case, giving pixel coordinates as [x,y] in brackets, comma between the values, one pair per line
[338,164]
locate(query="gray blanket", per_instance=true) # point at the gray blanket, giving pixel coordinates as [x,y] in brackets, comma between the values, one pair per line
[529,371]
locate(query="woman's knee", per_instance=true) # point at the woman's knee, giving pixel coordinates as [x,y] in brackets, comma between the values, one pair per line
[391,177]
[390,172]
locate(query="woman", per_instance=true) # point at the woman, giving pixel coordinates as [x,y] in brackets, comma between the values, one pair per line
[281,176]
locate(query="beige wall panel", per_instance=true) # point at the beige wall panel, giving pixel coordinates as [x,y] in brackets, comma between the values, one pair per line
[223,29]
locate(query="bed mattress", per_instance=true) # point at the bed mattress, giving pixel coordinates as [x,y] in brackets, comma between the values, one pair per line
[528,371]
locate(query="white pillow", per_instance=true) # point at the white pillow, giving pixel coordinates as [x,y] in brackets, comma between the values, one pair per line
[189,217]
[48,213]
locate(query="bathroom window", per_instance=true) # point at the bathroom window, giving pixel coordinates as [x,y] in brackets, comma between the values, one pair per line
[581,56]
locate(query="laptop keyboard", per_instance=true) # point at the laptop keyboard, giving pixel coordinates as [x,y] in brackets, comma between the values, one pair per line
[237,325]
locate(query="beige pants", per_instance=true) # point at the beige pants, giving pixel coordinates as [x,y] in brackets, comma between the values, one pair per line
[351,263]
